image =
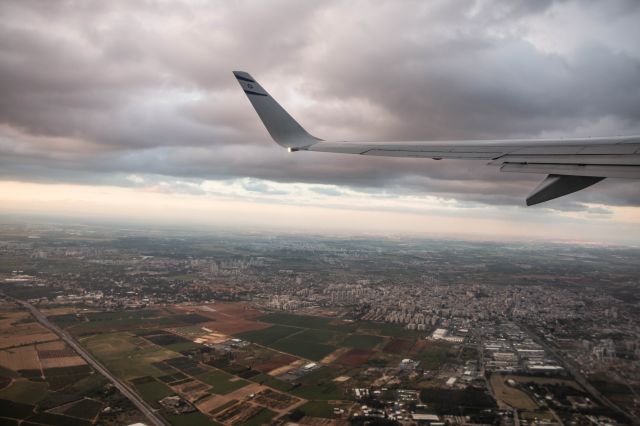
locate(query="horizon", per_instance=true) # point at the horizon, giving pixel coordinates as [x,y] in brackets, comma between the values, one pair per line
[124,227]
[137,115]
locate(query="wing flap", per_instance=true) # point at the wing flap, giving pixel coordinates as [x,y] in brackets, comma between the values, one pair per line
[555,186]
[625,172]
[591,159]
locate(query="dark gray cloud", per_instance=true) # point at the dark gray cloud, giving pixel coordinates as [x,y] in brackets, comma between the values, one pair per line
[92,91]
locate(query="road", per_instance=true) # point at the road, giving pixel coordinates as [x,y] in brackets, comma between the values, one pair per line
[142,405]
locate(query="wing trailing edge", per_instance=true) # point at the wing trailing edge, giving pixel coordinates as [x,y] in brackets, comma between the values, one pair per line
[555,186]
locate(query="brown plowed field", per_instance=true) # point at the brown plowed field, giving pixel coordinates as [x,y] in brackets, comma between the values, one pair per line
[22,358]
[56,345]
[355,357]
[417,348]
[67,361]
[228,318]
[277,361]
[16,333]
[398,346]
[56,353]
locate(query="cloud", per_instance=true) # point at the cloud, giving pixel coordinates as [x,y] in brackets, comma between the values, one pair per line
[97,91]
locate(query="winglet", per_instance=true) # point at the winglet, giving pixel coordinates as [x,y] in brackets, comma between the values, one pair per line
[281,126]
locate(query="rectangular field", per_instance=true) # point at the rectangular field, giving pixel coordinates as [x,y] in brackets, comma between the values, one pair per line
[319,336]
[20,358]
[304,349]
[151,390]
[398,346]
[125,356]
[355,357]
[361,341]
[305,321]
[227,318]
[221,382]
[267,336]
[67,361]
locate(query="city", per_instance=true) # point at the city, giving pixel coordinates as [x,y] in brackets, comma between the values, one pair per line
[108,326]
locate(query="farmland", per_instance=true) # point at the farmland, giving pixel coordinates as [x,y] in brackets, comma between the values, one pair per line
[159,359]
[45,382]
[234,364]
[362,341]
[314,338]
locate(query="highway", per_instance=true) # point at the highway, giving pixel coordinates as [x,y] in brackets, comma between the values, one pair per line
[574,370]
[142,405]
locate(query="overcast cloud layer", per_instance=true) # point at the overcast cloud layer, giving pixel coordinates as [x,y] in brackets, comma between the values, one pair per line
[93,92]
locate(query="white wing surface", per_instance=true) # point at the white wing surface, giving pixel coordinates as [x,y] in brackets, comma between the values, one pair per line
[571,164]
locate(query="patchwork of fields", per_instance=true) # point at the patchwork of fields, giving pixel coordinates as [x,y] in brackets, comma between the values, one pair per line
[154,351]
[43,381]
[318,338]
[230,363]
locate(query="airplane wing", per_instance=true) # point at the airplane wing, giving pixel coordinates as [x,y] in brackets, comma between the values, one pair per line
[570,164]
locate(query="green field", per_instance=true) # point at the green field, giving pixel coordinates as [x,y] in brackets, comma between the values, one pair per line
[85,409]
[123,357]
[261,418]
[326,391]
[314,337]
[190,419]
[361,341]
[383,329]
[435,355]
[100,322]
[151,390]
[337,325]
[182,346]
[616,391]
[221,382]
[317,409]
[25,391]
[266,336]
[88,384]
[319,385]
[271,381]
[64,377]
[305,321]
[5,372]
[457,402]
[15,409]
[304,349]
[318,336]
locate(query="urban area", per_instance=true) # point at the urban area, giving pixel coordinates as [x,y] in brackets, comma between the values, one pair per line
[107,326]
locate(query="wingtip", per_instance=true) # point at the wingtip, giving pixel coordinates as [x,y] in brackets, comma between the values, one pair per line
[243,75]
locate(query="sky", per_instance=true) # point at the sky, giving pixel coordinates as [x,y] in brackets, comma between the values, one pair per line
[129,110]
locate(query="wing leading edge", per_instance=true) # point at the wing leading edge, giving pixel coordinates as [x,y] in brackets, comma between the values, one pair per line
[571,164]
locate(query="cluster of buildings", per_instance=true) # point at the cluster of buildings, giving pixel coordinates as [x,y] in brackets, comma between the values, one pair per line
[507,348]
